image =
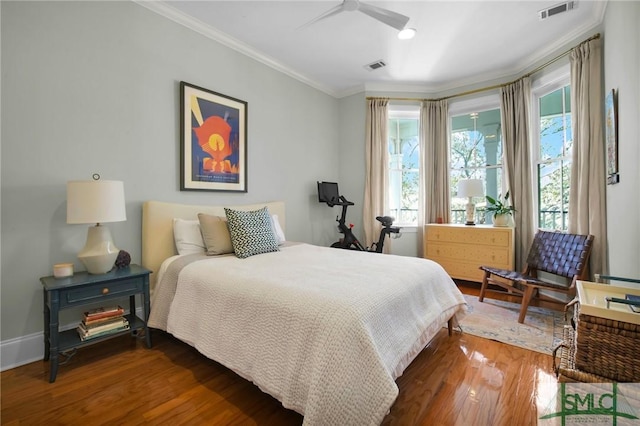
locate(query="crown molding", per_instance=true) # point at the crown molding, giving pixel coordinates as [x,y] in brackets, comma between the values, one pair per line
[169,12]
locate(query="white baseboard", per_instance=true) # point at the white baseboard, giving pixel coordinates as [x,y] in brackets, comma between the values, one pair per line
[30,348]
[21,351]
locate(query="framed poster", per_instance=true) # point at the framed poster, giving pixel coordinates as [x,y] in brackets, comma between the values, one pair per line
[213,141]
[611,124]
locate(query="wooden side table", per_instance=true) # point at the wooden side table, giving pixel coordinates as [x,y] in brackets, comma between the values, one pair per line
[83,288]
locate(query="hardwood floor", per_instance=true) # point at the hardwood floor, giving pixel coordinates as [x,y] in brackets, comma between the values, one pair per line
[458,380]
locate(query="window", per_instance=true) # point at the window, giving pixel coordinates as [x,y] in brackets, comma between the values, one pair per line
[404,164]
[553,162]
[475,153]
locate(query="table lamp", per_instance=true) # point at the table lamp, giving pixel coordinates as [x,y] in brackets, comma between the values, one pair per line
[96,201]
[470,188]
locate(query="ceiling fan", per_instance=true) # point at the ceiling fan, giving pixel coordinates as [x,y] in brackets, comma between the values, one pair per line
[385,16]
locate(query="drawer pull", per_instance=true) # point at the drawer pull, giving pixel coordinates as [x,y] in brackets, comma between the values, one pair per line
[105,290]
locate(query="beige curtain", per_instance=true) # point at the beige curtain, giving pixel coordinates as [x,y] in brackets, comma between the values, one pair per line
[434,161]
[514,102]
[587,211]
[376,168]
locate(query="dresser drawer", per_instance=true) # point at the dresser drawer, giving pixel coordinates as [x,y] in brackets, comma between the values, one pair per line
[486,255]
[100,291]
[461,270]
[484,236]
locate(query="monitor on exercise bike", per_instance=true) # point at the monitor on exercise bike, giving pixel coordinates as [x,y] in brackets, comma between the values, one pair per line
[328,193]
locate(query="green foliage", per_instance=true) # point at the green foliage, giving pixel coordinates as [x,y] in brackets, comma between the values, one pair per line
[498,207]
[553,197]
[467,152]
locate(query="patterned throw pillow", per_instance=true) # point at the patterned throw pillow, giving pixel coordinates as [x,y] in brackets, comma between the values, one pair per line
[251,232]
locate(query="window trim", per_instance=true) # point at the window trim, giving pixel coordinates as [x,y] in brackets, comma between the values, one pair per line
[477,104]
[405,111]
[543,86]
[468,106]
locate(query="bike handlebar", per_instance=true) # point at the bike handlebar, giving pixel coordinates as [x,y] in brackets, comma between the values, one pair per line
[340,202]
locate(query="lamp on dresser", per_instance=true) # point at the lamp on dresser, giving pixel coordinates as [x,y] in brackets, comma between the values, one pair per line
[469,188]
[97,202]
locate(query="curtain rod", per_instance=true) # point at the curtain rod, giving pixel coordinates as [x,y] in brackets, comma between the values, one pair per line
[495,86]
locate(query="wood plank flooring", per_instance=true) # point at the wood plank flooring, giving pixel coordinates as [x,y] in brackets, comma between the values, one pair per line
[458,380]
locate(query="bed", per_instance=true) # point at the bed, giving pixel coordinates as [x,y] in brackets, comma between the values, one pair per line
[325,331]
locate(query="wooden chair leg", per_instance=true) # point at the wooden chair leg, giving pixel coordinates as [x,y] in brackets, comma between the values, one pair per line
[450,326]
[485,284]
[526,299]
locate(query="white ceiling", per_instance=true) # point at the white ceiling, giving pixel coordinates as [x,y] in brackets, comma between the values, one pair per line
[458,43]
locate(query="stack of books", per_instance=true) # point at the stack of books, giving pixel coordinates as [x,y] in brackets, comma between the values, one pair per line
[101,321]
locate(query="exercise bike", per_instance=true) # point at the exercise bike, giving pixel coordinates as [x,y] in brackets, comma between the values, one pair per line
[328,193]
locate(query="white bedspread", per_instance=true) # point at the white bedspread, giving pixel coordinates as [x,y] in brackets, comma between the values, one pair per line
[325,331]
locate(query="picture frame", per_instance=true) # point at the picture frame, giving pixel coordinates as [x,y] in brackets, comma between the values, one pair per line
[611,136]
[213,141]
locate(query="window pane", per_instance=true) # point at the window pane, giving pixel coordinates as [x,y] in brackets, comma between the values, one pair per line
[569,136]
[409,210]
[553,181]
[555,125]
[404,157]
[476,153]
[475,140]
[492,178]
[551,137]
[554,159]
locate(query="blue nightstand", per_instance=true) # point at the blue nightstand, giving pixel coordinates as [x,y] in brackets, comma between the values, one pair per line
[83,288]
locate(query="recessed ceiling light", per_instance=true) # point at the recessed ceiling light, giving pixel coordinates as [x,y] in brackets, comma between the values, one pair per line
[407,34]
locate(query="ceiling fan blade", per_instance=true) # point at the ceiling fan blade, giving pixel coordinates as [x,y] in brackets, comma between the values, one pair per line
[386,16]
[333,11]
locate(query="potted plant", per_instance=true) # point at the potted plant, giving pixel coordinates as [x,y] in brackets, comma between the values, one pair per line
[501,209]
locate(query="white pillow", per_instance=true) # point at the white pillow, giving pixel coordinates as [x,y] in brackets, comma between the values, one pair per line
[187,236]
[277,230]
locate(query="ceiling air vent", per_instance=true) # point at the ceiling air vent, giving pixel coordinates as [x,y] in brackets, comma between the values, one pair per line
[375,65]
[558,8]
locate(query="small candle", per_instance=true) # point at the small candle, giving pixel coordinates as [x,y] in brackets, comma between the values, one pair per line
[61,270]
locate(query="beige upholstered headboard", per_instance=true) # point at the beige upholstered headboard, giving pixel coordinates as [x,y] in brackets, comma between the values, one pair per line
[157,227]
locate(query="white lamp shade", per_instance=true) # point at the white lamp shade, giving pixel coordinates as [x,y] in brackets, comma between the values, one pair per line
[95,201]
[470,188]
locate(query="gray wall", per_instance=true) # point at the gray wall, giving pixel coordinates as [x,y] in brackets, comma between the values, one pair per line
[93,87]
[622,73]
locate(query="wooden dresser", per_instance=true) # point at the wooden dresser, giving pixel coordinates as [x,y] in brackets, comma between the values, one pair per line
[461,249]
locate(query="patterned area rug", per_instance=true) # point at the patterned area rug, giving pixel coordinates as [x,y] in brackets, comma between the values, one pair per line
[498,320]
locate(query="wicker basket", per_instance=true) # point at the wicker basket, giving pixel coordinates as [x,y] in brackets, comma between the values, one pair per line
[566,370]
[608,348]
